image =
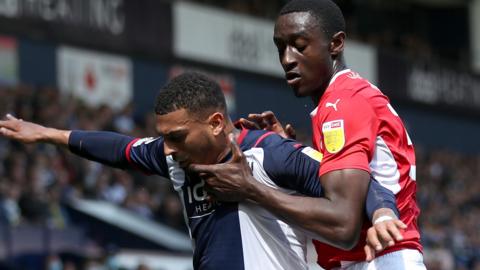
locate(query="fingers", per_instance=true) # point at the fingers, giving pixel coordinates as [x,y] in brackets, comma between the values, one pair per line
[10,124]
[369,253]
[258,119]
[290,131]
[394,231]
[248,124]
[10,117]
[394,228]
[384,234]
[373,240]
[202,168]
[400,224]
[390,231]
[7,126]
[265,120]
[254,115]
[6,132]
[269,117]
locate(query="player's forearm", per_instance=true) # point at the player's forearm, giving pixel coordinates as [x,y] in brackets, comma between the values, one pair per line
[105,147]
[327,220]
[380,202]
[55,136]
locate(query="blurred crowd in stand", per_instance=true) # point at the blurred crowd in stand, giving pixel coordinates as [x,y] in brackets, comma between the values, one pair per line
[449,197]
[37,180]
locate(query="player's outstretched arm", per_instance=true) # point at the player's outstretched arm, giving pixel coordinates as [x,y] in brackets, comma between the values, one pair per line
[109,148]
[28,132]
[103,147]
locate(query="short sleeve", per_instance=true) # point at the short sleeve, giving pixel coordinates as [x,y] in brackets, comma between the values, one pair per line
[348,133]
[292,165]
[147,155]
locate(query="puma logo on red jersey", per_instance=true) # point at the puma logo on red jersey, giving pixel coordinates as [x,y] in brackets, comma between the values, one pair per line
[333,105]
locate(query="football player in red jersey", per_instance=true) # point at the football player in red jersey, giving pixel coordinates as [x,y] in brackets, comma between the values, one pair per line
[359,135]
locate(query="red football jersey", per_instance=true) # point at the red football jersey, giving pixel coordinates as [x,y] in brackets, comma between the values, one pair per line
[355,127]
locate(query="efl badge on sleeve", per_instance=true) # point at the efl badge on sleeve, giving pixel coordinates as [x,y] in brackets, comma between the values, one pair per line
[312,153]
[333,136]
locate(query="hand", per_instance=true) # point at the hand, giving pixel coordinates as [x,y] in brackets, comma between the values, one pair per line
[268,121]
[230,181]
[383,233]
[20,130]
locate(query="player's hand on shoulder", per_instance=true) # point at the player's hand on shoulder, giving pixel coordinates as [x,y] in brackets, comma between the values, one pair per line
[268,121]
[385,231]
[23,131]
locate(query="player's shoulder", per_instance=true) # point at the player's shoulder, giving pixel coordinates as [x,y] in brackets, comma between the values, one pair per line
[147,141]
[261,139]
[355,93]
[352,80]
[352,85]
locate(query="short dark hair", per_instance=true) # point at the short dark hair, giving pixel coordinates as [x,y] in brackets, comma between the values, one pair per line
[192,91]
[327,13]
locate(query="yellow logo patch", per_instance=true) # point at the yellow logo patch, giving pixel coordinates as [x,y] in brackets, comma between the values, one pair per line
[333,136]
[312,153]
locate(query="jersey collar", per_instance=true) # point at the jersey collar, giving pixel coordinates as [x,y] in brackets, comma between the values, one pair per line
[332,80]
[338,74]
[243,134]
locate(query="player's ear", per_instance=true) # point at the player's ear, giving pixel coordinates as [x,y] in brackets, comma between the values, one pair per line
[216,122]
[337,43]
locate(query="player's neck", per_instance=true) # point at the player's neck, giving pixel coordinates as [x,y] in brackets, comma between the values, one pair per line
[338,65]
[229,128]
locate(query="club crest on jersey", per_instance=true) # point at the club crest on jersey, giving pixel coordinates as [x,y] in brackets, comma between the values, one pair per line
[333,136]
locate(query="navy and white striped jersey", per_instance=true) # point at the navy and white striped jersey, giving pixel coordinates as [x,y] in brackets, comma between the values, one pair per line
[240,235]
